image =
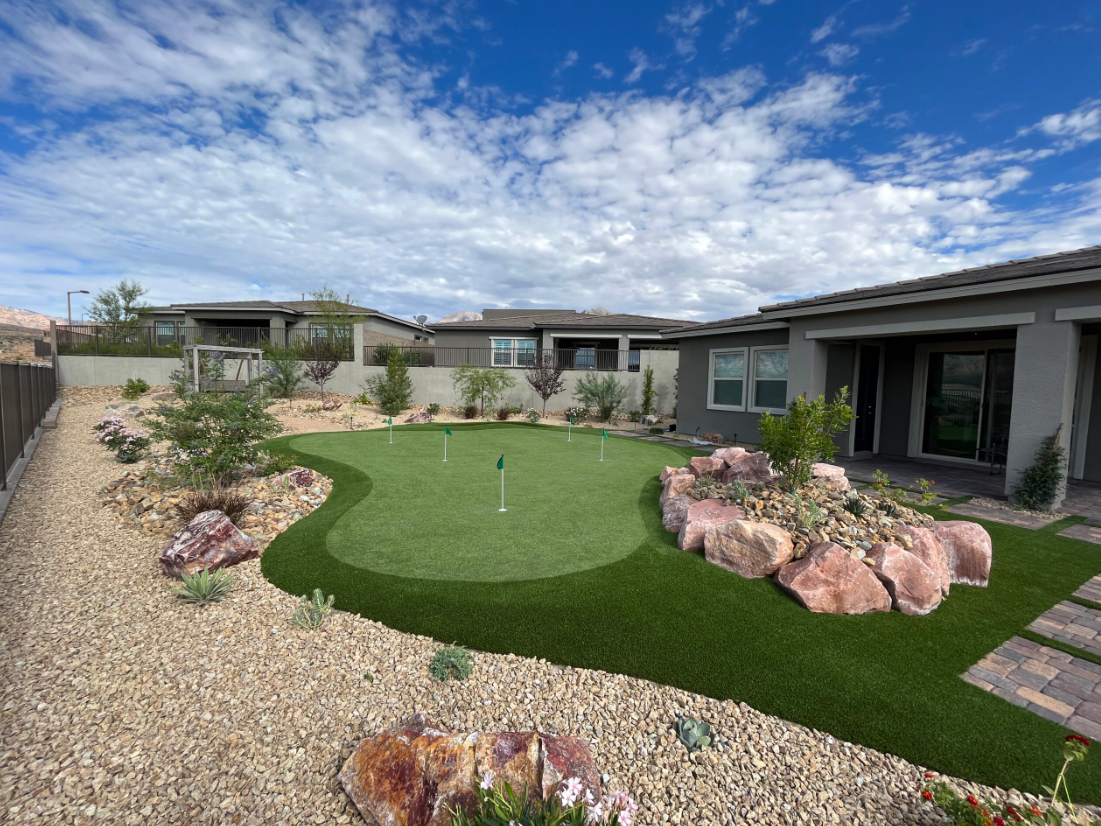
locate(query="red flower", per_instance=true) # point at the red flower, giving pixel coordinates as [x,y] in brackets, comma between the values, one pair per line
[999,822]
[928,774]
[971,799]
[1077,739]
[928,795]
[1035,811]
[1013,812]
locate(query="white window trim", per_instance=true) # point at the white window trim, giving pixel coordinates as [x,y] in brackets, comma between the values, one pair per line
[711,405]
[512,349]
[751,369]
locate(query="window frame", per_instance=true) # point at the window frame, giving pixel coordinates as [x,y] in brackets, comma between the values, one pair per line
[513,350]
[752,379]
[721,351]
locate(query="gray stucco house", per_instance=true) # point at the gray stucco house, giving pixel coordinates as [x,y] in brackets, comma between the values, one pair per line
[972,367]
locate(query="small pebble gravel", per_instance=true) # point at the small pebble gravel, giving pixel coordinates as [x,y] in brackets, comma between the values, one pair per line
[120,704]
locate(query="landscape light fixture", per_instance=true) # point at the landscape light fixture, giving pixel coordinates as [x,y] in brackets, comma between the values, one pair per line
[69,301]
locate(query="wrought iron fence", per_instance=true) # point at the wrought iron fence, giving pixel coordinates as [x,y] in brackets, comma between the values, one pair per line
[26,392]
[583,358]
[168,341]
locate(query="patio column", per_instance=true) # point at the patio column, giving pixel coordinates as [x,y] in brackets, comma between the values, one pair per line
[806,364]
[1045,371]
[359,353]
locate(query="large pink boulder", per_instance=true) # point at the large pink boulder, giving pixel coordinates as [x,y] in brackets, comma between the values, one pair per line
[750,549]
[209,540]
[420,417]
[416,773]
[675,486]
[749,467]
[672,471]
[707,467]
[299,477]
[674,513]
[924,546]
[913,586]
[729,454]
[967,549]
[830,476]
[703,516]
[830,580]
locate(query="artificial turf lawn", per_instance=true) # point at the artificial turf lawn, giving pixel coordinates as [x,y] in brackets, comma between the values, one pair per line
[887,681]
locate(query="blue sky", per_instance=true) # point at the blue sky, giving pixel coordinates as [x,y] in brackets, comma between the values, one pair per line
[690,160]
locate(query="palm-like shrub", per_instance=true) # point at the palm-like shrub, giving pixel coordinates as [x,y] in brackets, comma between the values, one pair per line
[204,586]
[228,501]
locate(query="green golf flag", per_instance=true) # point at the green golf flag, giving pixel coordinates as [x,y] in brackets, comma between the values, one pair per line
[447,431]
[603,433]
[501,462]
[572,421]
[390,420]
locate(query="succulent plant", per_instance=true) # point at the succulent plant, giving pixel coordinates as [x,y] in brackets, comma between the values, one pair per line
[694,734]
[204,586]
[739,491]
[311,612]
[854,504]
[888,506]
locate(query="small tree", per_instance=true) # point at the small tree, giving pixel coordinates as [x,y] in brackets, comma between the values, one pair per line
[322,363]
[546,378]
[284,371]
[392,390]
[804,436]
[483,386]
[119,309]
[604,396]
[1039,484]
[338,316]
[649,394]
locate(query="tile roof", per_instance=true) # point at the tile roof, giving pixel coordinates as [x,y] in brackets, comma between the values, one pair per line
[259,304]
[568,318]
[735,321]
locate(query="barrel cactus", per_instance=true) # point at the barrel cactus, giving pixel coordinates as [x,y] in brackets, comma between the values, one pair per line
[694,734]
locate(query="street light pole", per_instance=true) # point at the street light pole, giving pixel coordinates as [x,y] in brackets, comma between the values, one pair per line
[69,302]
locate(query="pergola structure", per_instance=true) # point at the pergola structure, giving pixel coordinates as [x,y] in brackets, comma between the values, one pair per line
[243,356]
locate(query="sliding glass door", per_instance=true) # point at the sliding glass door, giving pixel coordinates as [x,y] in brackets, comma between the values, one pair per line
[967,404]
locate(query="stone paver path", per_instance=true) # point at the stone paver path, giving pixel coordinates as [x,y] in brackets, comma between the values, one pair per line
[1087,533]
[1091,590]
[1073,624]
[1006,517]
[1050,683]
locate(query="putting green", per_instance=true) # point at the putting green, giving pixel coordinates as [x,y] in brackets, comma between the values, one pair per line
[426,519]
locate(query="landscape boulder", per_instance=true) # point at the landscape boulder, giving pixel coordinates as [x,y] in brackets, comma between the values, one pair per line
[830,580]
[675,486]
[299,477]
[714,438]
[750,549]
[209,540]
[729,454]
[707,467]
[675,512]
[672,471]
[420,417]
[748,467]
[924,545]
[164,396]
[414,774]
[331,404]
[127,411]
[830,476]
[702,516]
[913,586]
[967,550]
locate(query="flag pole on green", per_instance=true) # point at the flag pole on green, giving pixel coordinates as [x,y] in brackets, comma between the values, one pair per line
[501,467]
[603,436]
[390,422]
[569,430]
[446,433]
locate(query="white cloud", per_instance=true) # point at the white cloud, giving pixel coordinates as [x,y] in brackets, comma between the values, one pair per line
[567,61]
[1080,126]
[683,24]
[971,46]
[602,71]
[878,29]
[838,54]
[825,30]
[246,153]
[640,64]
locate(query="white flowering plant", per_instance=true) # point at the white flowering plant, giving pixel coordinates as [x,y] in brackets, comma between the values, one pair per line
[499,805]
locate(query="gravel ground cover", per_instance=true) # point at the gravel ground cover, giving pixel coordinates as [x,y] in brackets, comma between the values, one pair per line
[120,705]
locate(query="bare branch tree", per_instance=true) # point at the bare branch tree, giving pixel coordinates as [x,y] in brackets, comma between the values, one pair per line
[546,378]
[321,363]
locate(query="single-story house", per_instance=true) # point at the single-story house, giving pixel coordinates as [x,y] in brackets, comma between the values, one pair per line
[578,341]
[974,367]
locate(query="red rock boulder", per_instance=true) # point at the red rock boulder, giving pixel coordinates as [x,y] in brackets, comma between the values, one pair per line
[750,549]
[707,467]
[967,550]
[729,454]
[674,513]
[913,586]
[416,773]
[749,467]
[331,404]
[924,545]
[420,417]
[830,476]
[675,486]
[702,516]
[300,477]
[209,540]
[830,580]
[672,471]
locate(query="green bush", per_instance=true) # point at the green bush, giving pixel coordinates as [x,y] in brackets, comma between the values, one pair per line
[649,394]
[481,386]
[470,411]
[451,663]
[804,436]
[433,409]
[134,388]
[204,587]
[284,372]
[655,431]
[605,394]
[1039,484]
[392,390]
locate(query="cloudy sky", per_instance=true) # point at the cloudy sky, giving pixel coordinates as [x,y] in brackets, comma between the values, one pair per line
[689,160]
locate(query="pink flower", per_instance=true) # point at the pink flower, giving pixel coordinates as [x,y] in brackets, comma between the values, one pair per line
[570,793]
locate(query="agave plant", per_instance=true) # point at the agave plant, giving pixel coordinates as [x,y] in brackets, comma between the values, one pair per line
[311,611]
[204,587]
[888,506]
[854,504]
[694,734]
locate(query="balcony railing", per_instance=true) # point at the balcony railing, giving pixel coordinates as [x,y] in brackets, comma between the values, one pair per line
[583,358]
[168,342]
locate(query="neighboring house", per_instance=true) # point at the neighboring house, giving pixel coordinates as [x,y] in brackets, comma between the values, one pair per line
[578,341]
[974,367]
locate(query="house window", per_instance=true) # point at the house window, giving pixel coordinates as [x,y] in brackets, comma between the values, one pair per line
[166,333]
[770,379]
[634,361]
[726,380]
[525,353]
[502,352]
[513,352]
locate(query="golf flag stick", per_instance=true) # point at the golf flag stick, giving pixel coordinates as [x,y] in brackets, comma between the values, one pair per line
[446,433]
[569,430]
[603,436]
[501,467]
[390,422]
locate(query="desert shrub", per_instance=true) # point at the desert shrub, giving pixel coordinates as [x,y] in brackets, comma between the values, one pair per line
[134,388]
[204,587]
[433,409]
[533,415]
[451,663]
[284,372]
[634,415]
[503,413]
[211,434]
[656,431]
[499,804]
[603,394]
[270,463]
[1039,484]
[322,359]
[796,441]
[392,390]
[578,413]
[233,504]
[470,411]
[649,394]
[312,611]
[115,434]
[482,386]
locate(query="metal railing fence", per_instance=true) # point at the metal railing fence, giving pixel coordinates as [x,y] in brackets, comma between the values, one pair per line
[27,391]
[168,342]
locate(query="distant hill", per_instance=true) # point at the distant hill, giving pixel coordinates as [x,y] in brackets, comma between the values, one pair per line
[596,311]
[26,318]
[463,315]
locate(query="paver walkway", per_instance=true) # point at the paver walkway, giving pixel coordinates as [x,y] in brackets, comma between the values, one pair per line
[1071,623]
[1087,533]
[1021,520]
[1050,683]
[1091,590]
